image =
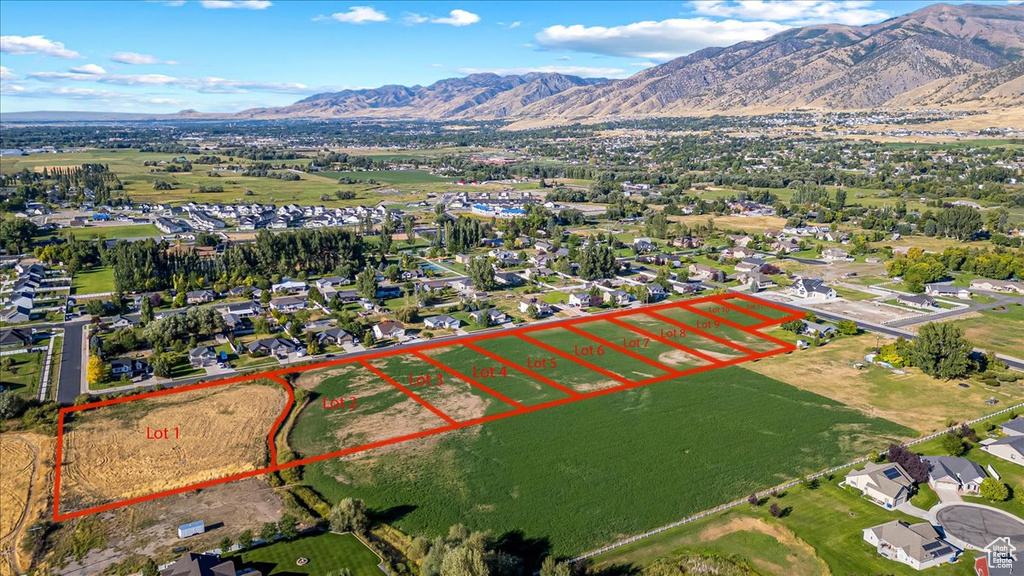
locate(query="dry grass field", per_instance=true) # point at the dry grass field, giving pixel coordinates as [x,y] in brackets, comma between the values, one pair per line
[912,399]
[26,479]
[213,433]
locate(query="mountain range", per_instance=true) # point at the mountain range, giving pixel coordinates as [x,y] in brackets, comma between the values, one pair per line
[958,56]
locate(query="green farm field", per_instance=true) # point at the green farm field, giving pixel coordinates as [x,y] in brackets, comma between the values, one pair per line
[576,475]
[1000,329]
[388,176]
[111,232]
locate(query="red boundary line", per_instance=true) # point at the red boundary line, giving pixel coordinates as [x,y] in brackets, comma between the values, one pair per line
[745,312]
[702,333]
[621,349]
[638,330]
[467,379]
[746,329]
[409,393]
[573,358]
[415,350]
[522,369]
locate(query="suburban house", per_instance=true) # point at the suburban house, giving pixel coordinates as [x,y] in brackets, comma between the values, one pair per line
[916,545]
[508,278]
[786,245]
[463,259]
[128,368]
[241,309]
[335,336]
[835,255]
[737,253]
[121,322]
[202,356]
[818,329]
[740,239]
[617,297]
[990,285]
[15,338]
[959,474]
[1013,427]
[685,287]
[543,308]
[916,300]
[947,291]
[488,317]
[1010,448]
[193,564]
[887,485]
[272,347]
[584,300]
[288,304]
[656,291]
[756,281]
[812,288]
[289,286]
[330,282]
[443,321]
[707,272]
[388,329]
[199,296]
[749,265]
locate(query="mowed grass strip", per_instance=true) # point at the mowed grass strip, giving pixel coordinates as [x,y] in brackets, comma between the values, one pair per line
[564,371]
[96,280]
[586,473]
[649,347]
[762,309]
[328,553]
[504,380]
[692,320]
[449,394]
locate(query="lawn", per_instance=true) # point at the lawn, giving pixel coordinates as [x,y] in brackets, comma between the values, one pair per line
[1000,329]
[586,473]
[823,526]
[96,280]
[388,176]
[23,374]
[327,553]
[111,232]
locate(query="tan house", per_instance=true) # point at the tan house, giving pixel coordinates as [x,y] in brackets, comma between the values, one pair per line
[887,485]
[916,545]
[1010,448]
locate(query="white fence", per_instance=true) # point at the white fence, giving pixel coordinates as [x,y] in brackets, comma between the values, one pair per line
[768,492]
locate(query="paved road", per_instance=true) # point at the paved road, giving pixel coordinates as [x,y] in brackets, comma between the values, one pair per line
[69,383]
[1001,300]
[810,261]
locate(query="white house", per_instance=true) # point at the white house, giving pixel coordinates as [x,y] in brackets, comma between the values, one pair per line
[916,545]
[443,321]
[959,474]
[288,285]
[542,307]
[1010,448]
[388,329]
[887,485]
[812,288]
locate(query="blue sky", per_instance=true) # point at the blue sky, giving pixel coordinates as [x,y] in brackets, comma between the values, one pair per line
[228,55]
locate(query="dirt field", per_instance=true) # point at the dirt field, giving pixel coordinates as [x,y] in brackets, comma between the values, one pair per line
[110,453]
[912,399]
[867,311]
[26,479]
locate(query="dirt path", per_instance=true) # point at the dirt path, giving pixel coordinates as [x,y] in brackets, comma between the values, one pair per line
[9,541]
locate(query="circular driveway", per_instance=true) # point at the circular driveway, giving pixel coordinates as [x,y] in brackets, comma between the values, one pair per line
[979,525]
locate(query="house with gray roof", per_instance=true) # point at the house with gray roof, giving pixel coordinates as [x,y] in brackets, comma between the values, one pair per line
[193,564]
[887,485]
[442,321]
[959,474]
[1010,448]
[916,545]
[1013,427]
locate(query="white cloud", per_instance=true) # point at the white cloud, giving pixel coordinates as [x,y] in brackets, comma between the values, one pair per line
[235,4]
[68,93]
[795,12]
[6,75]
[564,58]
[135,59]
[35,45]
[206,85]
[435,65]
[581,71]
[357,15]
[654,40]
[93,69]
[644,64]
[517,24]
[455,18]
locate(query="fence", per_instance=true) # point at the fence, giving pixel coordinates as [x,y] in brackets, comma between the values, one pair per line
[768,492]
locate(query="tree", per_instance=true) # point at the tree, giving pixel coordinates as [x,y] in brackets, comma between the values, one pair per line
[753,500]
[914,465]
[349,515]
[941,351]
[847,327]
[464,560]
[245,539]
[96,370]
[531,312]
[150,568]
[288,526]
[794,326]
[146,310]
[960,222]
[161,366]
[953,444]
[549,567]
[268,531]
[312,344]
[993,490]
[481,273]
[366,283]
[775,510]
[11,405]
[225,545]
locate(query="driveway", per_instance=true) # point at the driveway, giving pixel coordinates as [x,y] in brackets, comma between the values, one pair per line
[948,495]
